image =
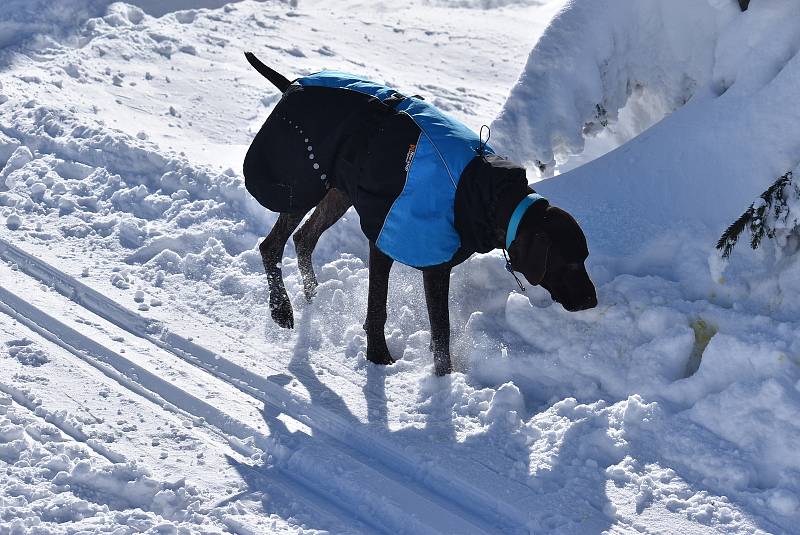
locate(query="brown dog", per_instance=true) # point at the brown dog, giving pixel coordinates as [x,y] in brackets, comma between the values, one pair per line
[428,191]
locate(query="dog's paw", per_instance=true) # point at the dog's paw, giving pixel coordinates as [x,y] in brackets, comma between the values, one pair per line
[383,359]
[281,310]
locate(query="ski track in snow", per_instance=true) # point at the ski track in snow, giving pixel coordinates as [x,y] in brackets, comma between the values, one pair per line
[143,382]
[285,488]
[665,410]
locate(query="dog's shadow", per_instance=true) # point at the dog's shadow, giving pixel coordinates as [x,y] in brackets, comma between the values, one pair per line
[436,439]
[299,366]
[569,496]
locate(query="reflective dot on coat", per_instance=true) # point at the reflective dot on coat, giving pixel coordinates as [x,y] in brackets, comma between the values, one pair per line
[306,140]
[323,176]
[309,148]
[316,166]
[310,156]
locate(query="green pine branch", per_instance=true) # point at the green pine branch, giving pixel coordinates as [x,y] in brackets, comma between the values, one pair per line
[754,218]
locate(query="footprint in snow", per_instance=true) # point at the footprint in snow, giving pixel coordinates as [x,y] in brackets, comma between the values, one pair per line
[26,353]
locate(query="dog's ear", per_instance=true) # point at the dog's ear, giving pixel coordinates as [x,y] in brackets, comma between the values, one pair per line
[529,255]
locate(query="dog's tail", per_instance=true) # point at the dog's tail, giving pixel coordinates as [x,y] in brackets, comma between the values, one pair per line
[277,79]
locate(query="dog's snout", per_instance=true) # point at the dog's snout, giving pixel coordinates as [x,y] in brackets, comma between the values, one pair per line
[586,304]
[586,299]
[575,290]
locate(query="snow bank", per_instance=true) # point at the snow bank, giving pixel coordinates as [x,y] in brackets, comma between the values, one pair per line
[22,19]
[81,172]
[593,58]
[691,174]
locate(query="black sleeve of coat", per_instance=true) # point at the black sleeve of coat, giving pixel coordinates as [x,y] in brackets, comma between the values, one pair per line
[484,181]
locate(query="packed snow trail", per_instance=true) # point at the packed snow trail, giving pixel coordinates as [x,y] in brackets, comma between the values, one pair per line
[74,426]
[296,464]
[143,382]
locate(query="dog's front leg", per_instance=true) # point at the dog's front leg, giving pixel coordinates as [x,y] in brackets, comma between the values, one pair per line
[379,267]
[437,290]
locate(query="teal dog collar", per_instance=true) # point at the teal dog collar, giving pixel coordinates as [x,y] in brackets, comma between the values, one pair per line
[516,217]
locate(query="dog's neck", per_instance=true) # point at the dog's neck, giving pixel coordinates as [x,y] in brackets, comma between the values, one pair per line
[506,204]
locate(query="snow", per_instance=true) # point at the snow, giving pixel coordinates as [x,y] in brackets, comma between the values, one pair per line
[144,387]
[731,128]
[30,19]
[593,59]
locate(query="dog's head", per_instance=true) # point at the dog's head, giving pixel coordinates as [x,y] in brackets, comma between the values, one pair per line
[550,251]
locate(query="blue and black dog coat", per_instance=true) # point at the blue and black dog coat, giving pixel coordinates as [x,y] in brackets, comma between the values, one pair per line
[423,185]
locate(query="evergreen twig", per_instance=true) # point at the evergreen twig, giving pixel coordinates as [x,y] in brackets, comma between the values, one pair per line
[754,218]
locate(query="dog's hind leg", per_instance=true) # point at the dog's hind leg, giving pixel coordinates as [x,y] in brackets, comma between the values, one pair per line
[379,267]
[437,290]
[271,254]
[332,207]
